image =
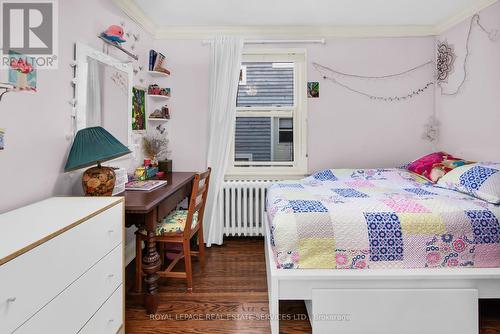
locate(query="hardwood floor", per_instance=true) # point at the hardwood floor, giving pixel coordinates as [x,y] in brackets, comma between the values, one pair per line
[230,296]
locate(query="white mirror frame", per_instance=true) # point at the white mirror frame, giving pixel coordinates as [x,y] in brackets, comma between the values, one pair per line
[82,52]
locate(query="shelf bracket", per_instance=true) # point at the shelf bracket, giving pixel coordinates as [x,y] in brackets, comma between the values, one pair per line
[128,53]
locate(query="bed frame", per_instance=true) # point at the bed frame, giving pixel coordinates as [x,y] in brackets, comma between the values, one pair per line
[304,284]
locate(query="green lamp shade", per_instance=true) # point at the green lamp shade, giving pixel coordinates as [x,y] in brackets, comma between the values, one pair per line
[93,145]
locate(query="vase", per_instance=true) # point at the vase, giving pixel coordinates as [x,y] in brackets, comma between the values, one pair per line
[22,80]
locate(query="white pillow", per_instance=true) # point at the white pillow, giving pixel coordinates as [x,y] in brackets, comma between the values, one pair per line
[481,180]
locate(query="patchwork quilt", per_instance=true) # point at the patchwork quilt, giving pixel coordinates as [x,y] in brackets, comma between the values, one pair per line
[379,218]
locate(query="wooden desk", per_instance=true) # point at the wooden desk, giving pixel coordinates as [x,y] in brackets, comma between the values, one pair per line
[145,209]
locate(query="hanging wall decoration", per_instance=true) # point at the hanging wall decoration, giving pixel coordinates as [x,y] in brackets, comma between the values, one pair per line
[138,109]
[22,72]
[431,130]
[444,62]
[328,74]
[444,66]
[492,36]
[313,89]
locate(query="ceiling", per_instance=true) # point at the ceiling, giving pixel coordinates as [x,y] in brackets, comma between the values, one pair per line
[345,15]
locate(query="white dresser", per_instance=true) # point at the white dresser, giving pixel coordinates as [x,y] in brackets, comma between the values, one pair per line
[61,267]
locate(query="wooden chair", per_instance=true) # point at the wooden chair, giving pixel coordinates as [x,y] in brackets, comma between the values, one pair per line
[175,230]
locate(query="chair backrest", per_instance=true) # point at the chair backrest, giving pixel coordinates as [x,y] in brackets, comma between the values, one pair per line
[197,201]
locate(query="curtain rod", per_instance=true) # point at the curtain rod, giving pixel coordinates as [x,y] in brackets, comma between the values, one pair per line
[279,41]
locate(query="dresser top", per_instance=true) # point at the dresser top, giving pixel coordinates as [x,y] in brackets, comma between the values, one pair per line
[27,227]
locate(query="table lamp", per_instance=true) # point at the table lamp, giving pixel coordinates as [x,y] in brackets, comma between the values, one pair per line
[92,146]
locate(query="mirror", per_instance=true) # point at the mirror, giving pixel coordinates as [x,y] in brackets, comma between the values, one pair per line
[103,93]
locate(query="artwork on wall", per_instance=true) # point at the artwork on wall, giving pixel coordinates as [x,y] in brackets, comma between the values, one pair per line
[445,59]
[138,109]
[22,73]
[313,89]
[2,139]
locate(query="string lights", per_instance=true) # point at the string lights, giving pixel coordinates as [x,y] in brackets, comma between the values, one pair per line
[322,69]
[329,73]
[492,36]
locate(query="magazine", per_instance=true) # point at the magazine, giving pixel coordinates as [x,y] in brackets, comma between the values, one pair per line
[144,185]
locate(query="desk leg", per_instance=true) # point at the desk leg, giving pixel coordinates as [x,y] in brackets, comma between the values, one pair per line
[151,265]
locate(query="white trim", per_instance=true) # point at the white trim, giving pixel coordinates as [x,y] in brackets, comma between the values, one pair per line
[205,32]
[298,284]
[277,41]
[463,15]
[137,14]
[298,112]
[82,52]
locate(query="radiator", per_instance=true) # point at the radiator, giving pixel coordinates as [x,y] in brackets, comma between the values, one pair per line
[241,207]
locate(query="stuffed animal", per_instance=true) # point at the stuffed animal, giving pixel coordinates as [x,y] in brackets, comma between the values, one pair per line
[114,34]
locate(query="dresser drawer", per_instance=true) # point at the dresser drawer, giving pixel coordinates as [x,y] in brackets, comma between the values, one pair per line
[73,308]
[109,318]
[33,279]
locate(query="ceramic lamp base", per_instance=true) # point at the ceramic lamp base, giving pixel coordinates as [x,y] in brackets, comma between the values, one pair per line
[98,181]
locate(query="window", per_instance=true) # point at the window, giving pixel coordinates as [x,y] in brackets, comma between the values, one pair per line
[270,129]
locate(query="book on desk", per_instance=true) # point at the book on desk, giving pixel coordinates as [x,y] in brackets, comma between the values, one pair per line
[147,185]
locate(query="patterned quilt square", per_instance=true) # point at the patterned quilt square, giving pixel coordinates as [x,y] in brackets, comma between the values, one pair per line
[359,184]
[401,204]
[485,226]
[386,237]
[419,191]
[317,253]
[475,177]
[307,206]
[326,175]
[291,185]
[349,192]
[314,225]
[421,223]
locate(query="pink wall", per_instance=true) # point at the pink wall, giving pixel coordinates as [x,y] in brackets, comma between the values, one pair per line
[345,130]
[37,125]
[470,121]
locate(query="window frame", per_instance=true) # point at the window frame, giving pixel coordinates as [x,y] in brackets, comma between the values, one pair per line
[298,112]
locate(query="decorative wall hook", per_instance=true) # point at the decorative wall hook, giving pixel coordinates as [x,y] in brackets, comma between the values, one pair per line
[4,89]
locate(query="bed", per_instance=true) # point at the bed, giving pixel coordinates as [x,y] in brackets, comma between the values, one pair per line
[379,230]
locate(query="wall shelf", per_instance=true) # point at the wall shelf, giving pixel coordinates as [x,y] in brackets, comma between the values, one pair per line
[159,97]
[158,119]
[158,74]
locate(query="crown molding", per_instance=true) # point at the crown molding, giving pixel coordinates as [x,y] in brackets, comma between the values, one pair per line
[203,32]
[137,14]
[463,15]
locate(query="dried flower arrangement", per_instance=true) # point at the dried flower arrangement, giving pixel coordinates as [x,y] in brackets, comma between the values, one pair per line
[155,146]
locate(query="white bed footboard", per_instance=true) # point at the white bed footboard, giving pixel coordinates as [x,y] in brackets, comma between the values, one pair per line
[404,286]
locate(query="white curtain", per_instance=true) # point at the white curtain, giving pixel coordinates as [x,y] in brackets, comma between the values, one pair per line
[225,64]
[94,94]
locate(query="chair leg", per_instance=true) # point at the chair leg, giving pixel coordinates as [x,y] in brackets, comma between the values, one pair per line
[187,260]
[138,264]
[201,247]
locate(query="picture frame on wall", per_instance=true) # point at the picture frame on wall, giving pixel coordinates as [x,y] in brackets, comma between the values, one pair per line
[313,89]
[138,109]
[22,72]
